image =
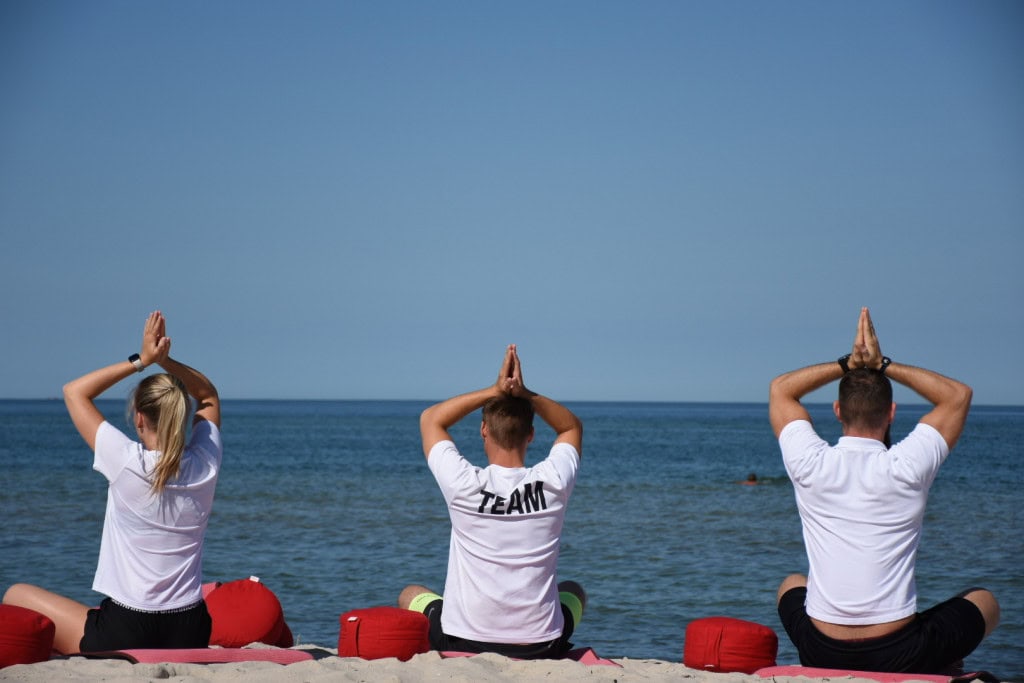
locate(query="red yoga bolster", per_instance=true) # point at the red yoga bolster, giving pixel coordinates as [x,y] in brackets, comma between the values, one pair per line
[381,632]
[725,644]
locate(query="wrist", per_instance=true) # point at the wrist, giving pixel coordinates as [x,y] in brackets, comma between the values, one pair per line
[137,362]
[844,363]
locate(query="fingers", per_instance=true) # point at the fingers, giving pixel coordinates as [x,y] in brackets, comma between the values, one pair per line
[510,380]
[506,363]
[155,325]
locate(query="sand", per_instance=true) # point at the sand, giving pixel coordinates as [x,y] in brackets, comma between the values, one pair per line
[327,666]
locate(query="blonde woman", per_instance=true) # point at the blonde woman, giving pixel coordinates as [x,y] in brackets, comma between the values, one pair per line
[158,503]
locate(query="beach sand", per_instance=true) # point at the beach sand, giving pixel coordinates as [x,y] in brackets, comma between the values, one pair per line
[327,666]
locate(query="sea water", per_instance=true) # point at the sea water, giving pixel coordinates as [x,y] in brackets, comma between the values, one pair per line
[331,504]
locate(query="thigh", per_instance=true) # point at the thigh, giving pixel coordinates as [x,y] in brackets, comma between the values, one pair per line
[438,639]
[111,627]
[950,631]
[793,615]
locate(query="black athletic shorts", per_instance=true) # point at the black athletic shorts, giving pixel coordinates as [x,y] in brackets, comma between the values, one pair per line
[551,649]
[114,626]
[934,642]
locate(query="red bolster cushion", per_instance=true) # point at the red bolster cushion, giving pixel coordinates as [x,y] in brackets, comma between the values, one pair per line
[380,632]
[26,636]
[246,611]
[724,644]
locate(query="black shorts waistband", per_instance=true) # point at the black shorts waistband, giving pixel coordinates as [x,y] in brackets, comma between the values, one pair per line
[176,610]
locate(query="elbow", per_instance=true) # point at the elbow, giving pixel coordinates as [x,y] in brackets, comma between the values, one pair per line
[69,392]
[427,418]
[965,396]
[775,388]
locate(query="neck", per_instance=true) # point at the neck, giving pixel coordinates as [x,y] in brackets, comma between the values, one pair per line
[876,434]
[505,457]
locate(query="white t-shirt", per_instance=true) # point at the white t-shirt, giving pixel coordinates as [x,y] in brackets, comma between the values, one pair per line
[861,507]
[151,549]
[503,556]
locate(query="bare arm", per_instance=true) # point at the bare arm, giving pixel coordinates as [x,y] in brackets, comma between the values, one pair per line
[786,390]
[80,394]
[568,428]
[436,420]
[199,387]
[951,399]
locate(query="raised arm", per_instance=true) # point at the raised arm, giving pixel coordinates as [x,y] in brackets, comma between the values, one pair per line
[436,420]
[80,394]
[951,399]
[199,387]
[786,390]
[568,428]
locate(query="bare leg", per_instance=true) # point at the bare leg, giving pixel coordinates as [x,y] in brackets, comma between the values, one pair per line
[409,594]
[67,615]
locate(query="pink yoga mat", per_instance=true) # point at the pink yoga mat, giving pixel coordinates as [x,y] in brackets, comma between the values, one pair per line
[206,655]
[583,655]
[880,676]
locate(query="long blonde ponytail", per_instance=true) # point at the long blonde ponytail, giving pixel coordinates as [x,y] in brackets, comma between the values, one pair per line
[163,400]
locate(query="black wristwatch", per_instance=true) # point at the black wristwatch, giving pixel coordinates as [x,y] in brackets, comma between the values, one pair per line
[136,360]
[844,363]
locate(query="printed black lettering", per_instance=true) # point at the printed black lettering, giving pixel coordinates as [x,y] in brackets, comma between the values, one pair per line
[499,506]
[487,496]
[534,497]
[515,503]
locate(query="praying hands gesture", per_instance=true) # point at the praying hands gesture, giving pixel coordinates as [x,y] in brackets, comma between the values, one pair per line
[510,378]
[156,345]
[866,351]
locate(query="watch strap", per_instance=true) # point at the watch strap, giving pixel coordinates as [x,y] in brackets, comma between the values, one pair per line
[844,363]
[136,360]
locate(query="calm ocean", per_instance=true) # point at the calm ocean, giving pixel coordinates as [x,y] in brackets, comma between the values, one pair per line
[332,506]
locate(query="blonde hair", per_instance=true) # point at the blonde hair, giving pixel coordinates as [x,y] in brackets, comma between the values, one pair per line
[163,401]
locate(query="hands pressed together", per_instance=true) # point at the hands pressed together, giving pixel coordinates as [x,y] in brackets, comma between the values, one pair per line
[156,345]
[510,378]
[866,351]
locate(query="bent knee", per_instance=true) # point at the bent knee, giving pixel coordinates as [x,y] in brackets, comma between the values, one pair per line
[409,594]
[15,595]
[987,604]
[574,588]
[789,583]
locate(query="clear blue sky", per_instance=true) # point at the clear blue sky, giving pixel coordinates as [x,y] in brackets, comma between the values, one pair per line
[655,200]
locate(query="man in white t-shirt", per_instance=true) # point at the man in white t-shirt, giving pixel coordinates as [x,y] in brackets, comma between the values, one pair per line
[862,505]
[501,593]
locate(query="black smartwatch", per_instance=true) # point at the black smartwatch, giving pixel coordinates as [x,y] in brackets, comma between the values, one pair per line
[886,362]
[844,363]
[136,360]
